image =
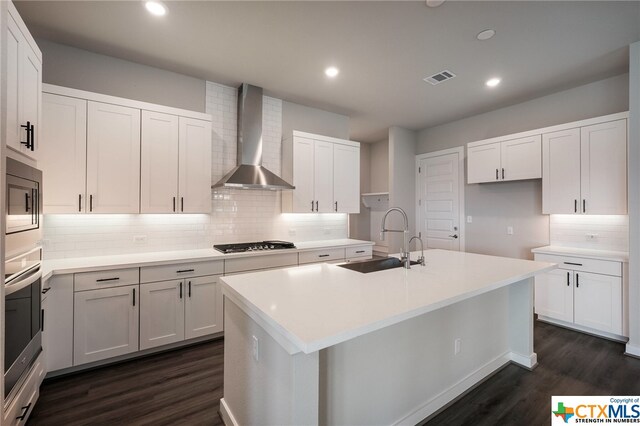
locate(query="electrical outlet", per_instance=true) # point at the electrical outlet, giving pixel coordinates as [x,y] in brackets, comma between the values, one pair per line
[457,346]
[509,230]
[469,219]
[139,239]
[255,352]
[591,237]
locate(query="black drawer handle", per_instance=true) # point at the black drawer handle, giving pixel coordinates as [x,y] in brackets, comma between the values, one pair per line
[101,280]
[45,290]
[577,280]
[573,263]
[25,410]
[323,255]
[359,251]
[568,278]
[180,289]
[182,271]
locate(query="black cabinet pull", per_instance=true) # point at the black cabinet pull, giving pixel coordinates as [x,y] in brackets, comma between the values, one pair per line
[311,205]
[336,206]
[316,206]
[26,202]
[182,271]
[496,174]
[503,173]
[42,321]
[180,289]
[573,263]
[80,202]
[46,290]
[101,280]
[174,204]
[323,255]
[584,206]
[30,135]
[359,251]
[25,410]
[568,278]
[134,297]
[33,137]
[575,206]
[577,280]
[189,289]
[182,204]
[90,202]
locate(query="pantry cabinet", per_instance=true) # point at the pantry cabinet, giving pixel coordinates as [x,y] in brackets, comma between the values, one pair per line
[325,172]
[24,86]
[585,169]
[586,294]
[505,160]
[175,171]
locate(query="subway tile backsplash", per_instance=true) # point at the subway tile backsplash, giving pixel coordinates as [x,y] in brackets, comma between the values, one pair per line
[237,215]
[590,231]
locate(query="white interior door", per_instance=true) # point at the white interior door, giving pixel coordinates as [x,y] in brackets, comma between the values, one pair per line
[439,200]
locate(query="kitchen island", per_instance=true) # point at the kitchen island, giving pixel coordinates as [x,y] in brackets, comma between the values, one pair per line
[326,345]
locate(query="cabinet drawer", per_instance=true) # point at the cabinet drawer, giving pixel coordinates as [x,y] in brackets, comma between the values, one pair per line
[105,279]
[180,270]
[26,398]
[597,266]
[326,255]
[359,252]
[263,261]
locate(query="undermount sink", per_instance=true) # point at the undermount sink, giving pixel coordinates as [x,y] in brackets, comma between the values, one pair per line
[375,265]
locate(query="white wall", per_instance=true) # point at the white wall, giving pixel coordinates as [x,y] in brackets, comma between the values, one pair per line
[633,347]
[359,223]
[379,175]
[494,206]
[313,120]
[402,144]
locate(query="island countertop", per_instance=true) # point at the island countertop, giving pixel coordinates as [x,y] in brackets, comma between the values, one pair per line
[313,307]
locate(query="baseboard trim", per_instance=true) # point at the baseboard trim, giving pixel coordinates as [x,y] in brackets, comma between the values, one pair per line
[527,361]
[582,329]
[453,392]
[632,350]
[226,414]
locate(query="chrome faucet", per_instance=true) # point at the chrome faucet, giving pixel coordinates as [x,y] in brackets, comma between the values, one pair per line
[421,258]
[405,249]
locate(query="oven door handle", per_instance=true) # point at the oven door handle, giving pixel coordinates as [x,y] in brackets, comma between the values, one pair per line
[23,283]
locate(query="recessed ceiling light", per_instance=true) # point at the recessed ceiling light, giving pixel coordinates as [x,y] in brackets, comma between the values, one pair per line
[156,8]
[434,3]
[486,34]
[332,72]
[493,82]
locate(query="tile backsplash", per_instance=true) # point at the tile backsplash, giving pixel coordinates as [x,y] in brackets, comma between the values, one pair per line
[590,231]
[236,215]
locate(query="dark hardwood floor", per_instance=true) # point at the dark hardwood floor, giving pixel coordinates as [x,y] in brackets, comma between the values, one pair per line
[183,387]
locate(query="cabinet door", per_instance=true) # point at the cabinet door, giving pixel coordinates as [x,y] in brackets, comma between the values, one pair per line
[159,163]
[14,133]
[203,306]
[604,168]
[195,166]
[57,338]
[598,302]
[561,172]
[323,176]
[521,158]
[113,158]
[30,91]
[161,313]
[483,163]
[62,155]
[346,178]
[105,323]
[303,196]
[554,294]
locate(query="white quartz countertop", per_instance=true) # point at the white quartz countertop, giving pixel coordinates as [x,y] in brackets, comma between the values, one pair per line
[310,308]
[87,264]
[620,256]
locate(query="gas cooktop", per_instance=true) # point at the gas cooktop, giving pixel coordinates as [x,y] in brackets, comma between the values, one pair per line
[257,246]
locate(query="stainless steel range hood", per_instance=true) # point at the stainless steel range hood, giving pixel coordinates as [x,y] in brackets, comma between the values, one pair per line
[249,173]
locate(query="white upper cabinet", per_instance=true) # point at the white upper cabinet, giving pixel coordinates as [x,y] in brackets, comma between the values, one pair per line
[62,156]
[325,172]
[513,159]
[24,86]
[159,163]
[195,166]
[113,158]
[585,169]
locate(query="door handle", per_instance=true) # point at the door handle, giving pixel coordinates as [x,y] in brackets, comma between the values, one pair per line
[454,236]
[25,410]
[29,142]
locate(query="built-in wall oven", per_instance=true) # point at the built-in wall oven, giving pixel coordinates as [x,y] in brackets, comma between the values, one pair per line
[23,288]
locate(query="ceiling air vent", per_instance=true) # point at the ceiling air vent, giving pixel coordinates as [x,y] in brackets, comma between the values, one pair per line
[440,77]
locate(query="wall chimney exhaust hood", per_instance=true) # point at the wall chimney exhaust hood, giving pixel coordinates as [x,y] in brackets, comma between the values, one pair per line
[249,173]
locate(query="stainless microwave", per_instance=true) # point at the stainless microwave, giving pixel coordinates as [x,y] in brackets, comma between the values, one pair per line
[23,207]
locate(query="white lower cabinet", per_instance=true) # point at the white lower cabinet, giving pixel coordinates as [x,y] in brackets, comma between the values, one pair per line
[106,323]
[203,307]
[582,294]
[21,406]
[57,337]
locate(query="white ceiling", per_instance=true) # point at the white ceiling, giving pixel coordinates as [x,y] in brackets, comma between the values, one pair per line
[383,49]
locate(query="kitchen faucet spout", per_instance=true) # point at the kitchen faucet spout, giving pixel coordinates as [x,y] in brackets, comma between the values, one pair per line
[405,231]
